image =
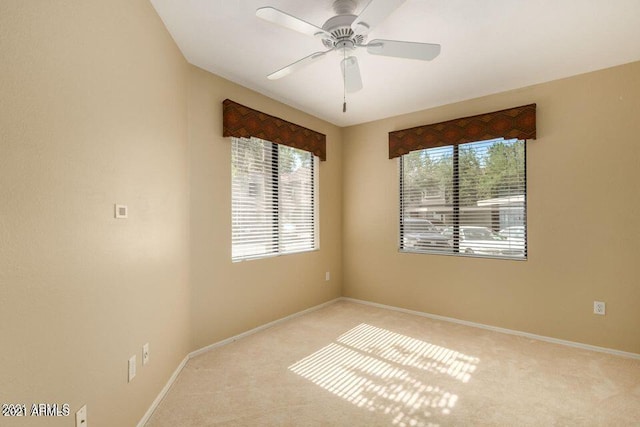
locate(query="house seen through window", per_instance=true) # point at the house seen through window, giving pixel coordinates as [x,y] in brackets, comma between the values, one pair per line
[467,199]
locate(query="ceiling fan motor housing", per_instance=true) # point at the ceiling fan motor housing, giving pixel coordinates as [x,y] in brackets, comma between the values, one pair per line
[344,7]
[344,33]
[343,36]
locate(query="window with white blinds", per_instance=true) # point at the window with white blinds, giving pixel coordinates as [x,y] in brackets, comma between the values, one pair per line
[273,207]
[467,199]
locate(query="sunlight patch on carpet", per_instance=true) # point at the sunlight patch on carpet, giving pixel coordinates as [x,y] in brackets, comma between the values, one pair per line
[384,371]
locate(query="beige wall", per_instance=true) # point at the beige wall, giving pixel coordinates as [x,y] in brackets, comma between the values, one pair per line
[583,173]
[93,111]
[229,298]
[98,106]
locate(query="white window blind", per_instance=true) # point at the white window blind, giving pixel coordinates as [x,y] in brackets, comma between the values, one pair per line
[273,199]
[468,199]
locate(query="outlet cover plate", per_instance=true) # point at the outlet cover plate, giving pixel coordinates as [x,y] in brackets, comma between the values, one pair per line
[132,367]
[599,307]
[145,354]
[81,417]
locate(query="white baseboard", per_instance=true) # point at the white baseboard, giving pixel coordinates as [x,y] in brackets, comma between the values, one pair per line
[198,352]
[175,374]
[498,329]
[163,392]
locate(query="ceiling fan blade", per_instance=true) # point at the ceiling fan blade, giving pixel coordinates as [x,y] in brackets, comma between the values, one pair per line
[373,14]
[351,74]
[401,49]
[283,19]
[297,65]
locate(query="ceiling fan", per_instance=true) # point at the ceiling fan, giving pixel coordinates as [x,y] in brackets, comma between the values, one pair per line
[345,33]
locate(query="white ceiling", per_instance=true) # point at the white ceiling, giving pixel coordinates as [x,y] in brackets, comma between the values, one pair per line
[488,46]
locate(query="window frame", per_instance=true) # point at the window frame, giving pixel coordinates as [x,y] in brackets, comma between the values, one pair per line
[456,239]
[277,189]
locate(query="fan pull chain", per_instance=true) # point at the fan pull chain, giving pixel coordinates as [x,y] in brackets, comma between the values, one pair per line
[344,81]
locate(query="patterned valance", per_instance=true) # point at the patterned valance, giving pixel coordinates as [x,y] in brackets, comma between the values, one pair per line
[519,122]
[243,122]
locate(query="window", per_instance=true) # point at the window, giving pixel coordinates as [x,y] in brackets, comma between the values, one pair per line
[467,199]
[273,207]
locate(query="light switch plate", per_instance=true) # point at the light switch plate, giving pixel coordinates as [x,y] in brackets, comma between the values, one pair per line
[121,211]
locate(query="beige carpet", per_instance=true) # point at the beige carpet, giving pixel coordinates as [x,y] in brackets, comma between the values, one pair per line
[350,364]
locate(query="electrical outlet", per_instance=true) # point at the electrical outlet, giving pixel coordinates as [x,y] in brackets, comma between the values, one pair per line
[327,276]
[81,417]
[599,308]
[145,354]
[132,367]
